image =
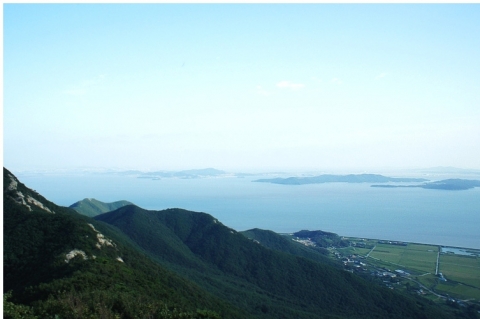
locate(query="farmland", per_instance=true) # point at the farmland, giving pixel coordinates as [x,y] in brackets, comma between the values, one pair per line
[413,267]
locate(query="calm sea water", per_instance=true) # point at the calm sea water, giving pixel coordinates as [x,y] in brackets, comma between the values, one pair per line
[405,214]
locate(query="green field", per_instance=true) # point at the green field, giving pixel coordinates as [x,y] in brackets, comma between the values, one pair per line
[415,258]
[462,273]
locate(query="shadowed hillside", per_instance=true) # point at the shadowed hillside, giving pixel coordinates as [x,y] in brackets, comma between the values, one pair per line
[263,280]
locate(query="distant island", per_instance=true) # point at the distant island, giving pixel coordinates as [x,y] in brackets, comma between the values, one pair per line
[351,178]
[192,173]
[447,184]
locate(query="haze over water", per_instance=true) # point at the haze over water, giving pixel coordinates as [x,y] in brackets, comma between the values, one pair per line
[404,214]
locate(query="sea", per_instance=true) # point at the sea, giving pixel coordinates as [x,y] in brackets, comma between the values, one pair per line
[438,217]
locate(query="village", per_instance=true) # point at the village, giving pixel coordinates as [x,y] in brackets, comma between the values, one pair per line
[409,267]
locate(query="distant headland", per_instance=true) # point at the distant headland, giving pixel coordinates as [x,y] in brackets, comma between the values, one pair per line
[447,184]
[351,178]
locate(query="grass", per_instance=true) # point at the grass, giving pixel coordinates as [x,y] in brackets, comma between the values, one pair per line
[429,280]
[458,290]
[414,257]
[462,272]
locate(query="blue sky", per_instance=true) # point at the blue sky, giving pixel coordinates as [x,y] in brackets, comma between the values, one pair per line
[238,87]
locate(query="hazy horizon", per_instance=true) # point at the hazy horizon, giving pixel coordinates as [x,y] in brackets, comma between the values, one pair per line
[309,87]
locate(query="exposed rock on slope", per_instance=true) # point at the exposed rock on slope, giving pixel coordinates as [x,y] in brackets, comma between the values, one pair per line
[17,195]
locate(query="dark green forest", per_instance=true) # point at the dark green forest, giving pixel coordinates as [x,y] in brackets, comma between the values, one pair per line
[38,283]
[135,263]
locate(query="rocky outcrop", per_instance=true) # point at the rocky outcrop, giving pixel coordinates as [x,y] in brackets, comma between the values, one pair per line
[22,199]
[102,241]
[69,256]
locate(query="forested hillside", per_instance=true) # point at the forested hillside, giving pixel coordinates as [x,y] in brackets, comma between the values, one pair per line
[59,264]
[264,282]
[92,207]
[283,243]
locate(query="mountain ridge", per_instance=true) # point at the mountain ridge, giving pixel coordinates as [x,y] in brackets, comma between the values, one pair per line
[297,283]
[74,278]
[92,207]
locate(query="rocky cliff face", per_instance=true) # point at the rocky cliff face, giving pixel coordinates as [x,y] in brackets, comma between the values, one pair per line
[38,231]
[12,191]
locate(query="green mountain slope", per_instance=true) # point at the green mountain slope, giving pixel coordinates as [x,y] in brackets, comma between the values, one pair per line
[92,207]
[284,244]
[322,238]
[264,282]
[58,263]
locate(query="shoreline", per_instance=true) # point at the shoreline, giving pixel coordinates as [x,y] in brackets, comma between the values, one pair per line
[387,241]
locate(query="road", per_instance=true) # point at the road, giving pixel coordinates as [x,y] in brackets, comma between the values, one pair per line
[368,255]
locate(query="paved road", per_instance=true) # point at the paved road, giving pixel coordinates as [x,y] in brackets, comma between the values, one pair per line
[371,251]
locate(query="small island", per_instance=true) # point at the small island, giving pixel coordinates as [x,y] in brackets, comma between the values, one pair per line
[351,178]
[447,184]
[186,174]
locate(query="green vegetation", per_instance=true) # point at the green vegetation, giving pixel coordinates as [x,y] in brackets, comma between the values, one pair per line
[284,243]
[461,268]
[38,282]
[91,207]
[461,274]
[415,257]
[264,282]
[322,238]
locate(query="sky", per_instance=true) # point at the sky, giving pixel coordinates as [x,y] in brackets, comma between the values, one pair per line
[241,86]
